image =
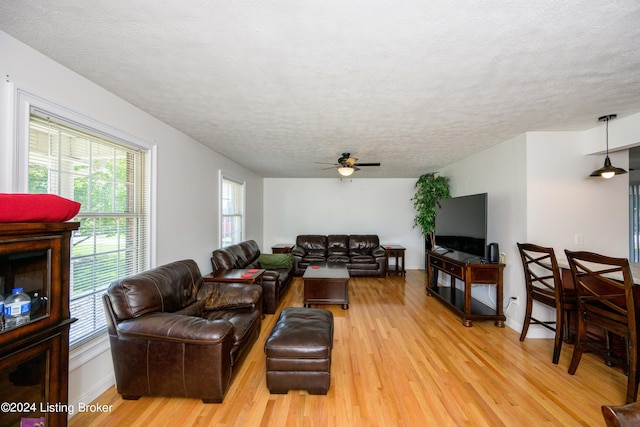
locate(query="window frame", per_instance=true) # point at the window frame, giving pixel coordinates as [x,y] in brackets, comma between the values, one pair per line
[24,103]
[221,235]
[634,222]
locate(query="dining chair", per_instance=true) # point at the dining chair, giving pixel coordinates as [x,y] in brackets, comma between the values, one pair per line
[606,300]
[544,285]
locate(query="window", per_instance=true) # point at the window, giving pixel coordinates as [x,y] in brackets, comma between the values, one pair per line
[109,178]
[634,222]
[232,212]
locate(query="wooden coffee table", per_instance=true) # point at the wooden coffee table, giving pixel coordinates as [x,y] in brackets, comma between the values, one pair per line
[326,283]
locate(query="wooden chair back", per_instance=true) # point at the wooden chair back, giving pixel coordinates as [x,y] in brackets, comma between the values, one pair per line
[606,299]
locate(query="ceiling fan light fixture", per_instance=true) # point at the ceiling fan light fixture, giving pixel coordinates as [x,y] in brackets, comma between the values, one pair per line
[608,170]
[345,170]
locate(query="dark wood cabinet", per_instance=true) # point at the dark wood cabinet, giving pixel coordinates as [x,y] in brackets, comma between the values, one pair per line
[459,265]
[34,357]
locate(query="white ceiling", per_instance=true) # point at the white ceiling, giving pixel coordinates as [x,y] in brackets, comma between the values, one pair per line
[415,85]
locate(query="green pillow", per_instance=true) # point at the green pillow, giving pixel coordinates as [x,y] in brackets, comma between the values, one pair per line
[275,261]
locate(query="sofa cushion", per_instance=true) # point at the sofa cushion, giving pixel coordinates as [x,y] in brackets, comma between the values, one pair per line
[338,258]
[251,251]
[362,244]
[246,328]
[169,327]
[314,258]
[275,261]
[240,258]
[313,244]
[223,259]
[167,288]
[194,309]
[338,244]
[242,255]
[220,296]
[362,259]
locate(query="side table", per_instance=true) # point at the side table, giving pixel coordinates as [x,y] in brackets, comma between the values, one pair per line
[397,252]
[281,248]
[250,276]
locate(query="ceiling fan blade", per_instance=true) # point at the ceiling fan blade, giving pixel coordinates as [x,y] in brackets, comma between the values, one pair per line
[366,164]
[325,163]
[330,167]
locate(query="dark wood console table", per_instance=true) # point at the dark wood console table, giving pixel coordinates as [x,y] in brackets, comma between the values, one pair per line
[465,267]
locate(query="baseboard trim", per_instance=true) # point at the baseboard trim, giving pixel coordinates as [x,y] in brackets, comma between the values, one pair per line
[93,393]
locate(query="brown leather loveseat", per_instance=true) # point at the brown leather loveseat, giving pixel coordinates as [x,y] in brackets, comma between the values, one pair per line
[172,334]
[275,282]
[362,253]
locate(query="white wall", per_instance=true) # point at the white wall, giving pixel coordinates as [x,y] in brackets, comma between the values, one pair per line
[500,172]
[186,178]
[350,206]
[624,132]
[564,202]
[540,192]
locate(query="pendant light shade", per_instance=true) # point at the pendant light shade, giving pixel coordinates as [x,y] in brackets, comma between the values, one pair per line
[608,170]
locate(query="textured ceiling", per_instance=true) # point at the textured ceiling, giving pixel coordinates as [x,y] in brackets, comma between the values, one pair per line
[415,85]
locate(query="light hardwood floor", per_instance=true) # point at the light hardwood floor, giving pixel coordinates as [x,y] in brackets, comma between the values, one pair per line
[400,358]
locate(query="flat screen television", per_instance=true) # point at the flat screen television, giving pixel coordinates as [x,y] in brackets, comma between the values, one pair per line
[461,224]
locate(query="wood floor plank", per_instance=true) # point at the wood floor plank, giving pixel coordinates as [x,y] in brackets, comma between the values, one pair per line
[400,358]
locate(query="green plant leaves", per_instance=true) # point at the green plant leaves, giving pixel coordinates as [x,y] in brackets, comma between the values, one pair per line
[429,188]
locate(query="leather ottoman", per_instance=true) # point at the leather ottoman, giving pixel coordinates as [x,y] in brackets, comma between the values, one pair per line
[299,351]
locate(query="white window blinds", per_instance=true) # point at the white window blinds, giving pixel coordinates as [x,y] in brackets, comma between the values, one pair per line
[232,212]
[109,178]
[634,223]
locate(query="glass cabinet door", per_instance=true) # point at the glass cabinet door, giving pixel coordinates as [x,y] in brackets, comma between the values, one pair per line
[28,265]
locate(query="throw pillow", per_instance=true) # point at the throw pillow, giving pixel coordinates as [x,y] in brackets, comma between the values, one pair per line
[275,261]
[36,208]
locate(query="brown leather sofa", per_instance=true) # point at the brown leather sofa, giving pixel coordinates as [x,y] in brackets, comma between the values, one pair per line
[275,282]
[362,253]
[172,334]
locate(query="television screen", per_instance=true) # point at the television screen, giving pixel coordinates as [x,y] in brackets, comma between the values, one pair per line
[461,224]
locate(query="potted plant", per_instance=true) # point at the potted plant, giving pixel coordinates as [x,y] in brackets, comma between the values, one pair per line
[429,188]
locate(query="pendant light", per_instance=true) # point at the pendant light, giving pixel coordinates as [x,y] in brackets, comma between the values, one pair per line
[608,170]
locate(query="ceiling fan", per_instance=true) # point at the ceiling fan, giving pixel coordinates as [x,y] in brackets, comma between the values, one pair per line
[346,164]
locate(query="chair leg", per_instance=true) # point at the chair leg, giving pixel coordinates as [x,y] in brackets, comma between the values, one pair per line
[581,336]
[557,344]
[527,318]
[568,338]
[627,354]
[607,336]
[634,374]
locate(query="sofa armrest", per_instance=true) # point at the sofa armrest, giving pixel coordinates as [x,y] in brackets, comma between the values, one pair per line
[221,296]
[176,328]
[379,252]
[270,276]
[298,251]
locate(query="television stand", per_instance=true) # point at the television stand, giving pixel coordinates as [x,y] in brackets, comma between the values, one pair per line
[462,266]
